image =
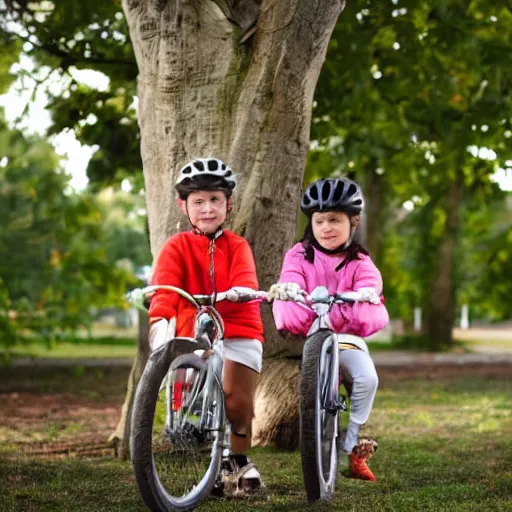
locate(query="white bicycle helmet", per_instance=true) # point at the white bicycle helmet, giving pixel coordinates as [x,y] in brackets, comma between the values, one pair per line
[205,174]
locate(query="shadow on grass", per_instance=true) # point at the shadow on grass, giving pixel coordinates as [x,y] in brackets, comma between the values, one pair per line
[424,473]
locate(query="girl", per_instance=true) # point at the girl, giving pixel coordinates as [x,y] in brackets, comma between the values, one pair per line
[203,260]
[327,256]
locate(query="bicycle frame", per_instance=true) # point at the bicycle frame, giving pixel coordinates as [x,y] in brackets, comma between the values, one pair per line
[320,401]
[332,393]
[209,335]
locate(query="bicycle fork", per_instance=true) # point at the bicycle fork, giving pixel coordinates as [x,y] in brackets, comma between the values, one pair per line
[333,401]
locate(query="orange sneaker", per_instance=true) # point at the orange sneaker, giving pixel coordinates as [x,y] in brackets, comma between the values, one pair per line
[359,458]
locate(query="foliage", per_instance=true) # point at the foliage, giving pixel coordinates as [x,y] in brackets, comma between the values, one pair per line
[64,38]
[53,259]
[125,222]
[486,257]
[9,55]
[410,92]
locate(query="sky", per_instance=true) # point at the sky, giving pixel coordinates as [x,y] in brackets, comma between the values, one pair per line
[76,156]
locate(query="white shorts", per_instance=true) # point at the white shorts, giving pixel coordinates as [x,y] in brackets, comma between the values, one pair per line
[244,351]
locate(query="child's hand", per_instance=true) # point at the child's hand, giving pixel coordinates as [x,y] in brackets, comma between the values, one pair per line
[369,295]
[285,291]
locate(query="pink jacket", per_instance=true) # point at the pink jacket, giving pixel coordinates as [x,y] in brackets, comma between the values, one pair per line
[361,318]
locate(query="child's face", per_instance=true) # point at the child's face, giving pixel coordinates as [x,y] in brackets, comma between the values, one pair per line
[331,229]
[206,209]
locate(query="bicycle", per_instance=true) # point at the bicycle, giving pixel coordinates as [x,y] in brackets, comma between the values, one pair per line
[179,429]
[320,400]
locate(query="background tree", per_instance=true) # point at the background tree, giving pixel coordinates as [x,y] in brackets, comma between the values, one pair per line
[54,264]
[234,79]
[421,84]
[405,92]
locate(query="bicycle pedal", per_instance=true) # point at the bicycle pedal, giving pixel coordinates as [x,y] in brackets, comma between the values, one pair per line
[337,405]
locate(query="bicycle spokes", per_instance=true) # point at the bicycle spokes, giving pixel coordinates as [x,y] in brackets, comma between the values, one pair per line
[183,443]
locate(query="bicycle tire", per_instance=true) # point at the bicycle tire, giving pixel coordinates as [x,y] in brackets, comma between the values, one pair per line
[153,492]
[318,428]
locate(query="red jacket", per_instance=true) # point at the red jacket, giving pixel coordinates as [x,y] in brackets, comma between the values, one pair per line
[184,261]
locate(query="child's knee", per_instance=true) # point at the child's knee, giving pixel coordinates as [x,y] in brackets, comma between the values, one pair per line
[239,408]
[368,382]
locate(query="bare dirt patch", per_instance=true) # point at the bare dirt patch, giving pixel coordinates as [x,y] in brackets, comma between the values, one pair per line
[62,412]
[57,424]
[59,411]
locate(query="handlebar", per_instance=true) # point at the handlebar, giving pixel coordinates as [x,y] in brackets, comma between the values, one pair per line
[319,295]
[138,296]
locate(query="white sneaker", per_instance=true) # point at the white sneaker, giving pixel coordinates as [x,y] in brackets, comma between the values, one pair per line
[238,481]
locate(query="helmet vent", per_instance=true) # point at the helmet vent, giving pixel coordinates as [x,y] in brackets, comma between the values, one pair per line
[338,191]
[326,191]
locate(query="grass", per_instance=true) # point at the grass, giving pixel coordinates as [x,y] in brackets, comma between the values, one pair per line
[418,343]
[444,445]
[106,342]
[96,347]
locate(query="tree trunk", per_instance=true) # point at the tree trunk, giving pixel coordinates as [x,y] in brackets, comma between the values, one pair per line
[273,422]
[235,80]
[373,184]
[441,307]
[120,438]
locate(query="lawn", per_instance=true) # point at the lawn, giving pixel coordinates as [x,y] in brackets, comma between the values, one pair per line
[445,444]
[98,347]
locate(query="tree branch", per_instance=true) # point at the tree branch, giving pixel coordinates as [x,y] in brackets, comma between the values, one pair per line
[244,14]
[68,59]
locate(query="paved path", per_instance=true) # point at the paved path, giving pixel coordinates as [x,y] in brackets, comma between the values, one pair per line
[392,358]
[381,358]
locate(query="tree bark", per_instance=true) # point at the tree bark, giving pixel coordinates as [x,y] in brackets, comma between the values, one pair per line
[274,422]
[235,80]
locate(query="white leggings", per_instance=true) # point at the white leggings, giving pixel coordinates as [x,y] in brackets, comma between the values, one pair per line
[360,379]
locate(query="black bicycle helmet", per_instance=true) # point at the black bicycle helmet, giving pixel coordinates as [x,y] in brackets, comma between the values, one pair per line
[330,194]
[205,174]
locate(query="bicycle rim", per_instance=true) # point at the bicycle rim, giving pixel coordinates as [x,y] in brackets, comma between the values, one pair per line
[185,447]
[319,426]
[326,427]
[177,450]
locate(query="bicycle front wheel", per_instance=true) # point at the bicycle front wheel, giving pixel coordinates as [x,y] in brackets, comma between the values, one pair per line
[318,423]
[177,432]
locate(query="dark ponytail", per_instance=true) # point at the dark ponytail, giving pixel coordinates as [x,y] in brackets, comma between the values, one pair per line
[307,237]
[352,253]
